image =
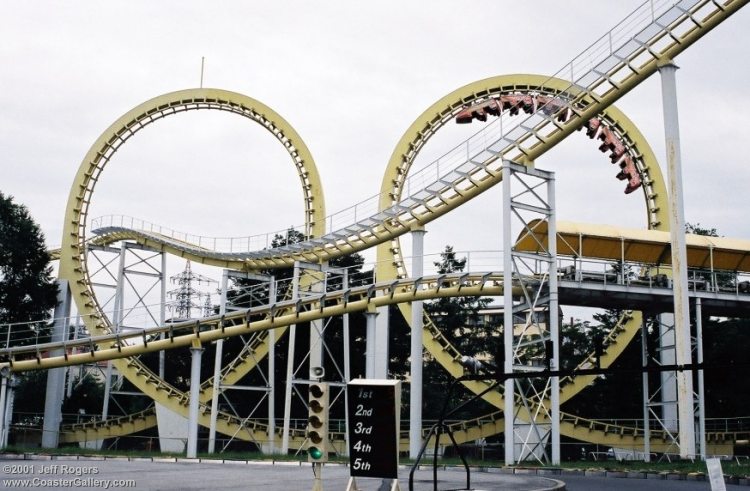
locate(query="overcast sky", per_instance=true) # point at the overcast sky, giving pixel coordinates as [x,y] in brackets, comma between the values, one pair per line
[350,77]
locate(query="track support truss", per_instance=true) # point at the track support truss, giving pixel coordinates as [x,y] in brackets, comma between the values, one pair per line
[531,319]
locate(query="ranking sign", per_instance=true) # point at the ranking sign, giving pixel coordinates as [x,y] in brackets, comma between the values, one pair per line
[373,409]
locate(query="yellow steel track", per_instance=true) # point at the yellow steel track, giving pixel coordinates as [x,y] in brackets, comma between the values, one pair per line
[392,267]
[113,346]
[397,215]
[73,261]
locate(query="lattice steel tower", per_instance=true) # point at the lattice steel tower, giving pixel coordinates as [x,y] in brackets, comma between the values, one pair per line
[187,297]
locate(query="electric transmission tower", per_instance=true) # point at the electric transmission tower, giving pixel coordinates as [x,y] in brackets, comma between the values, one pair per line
[187,296]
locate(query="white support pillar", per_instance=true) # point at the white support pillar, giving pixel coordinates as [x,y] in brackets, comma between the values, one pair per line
[5,375]
[72,369]
[196,351]
[288,390]
[290,369]
[163,310]
[216,389]
[8,416]
[117,315]
[56,376]
[272,375]
[668,386]
[107,389]
[701,385]
[554,321]
[347,366]
[679,260]
[508,394]
[382,330]
[316,326]
[215,394]
[644,381]
[371,319]
[415,392]
[119,303]
[528,195]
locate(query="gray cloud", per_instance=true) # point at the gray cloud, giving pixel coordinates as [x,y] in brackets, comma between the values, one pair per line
[350,78]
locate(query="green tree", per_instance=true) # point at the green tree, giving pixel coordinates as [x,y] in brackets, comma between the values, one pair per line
[85,399]
[458,318]
[27,294]
[698,229]
[725,344]
[250,293]
[27,290]
[460,321]
[615,395]
[576,342]
[722,280]
[292,236]
[28,403]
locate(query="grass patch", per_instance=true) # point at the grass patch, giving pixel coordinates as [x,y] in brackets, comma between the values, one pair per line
[87,452]
[730,468]
[302,457]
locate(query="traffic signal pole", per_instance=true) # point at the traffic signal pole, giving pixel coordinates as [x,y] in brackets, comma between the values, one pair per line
[317,429]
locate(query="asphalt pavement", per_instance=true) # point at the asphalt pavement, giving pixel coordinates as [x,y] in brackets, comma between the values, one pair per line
[185,475]
[92,473]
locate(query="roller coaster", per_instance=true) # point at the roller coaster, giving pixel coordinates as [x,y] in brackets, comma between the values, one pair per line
[525,116]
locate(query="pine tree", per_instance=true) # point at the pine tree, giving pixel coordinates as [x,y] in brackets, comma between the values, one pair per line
[459,320]
[27,290]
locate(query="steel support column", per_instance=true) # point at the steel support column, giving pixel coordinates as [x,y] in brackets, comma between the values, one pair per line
[667,391]
[347,366]
[553,320]
[261,290]
[107,389]
[415,391]
[309,280]
[134,261]
[509,392]
[116,320]
[529,209]
[217,367]
[660,401]
[163,310]
[272,375]
[5,375]
[381,335]
[56,376]
[8,406]
[317,287]
[686,415]
[644,379]
[117,314]
[701,385]
[370,319]
[196,351]
[290,368]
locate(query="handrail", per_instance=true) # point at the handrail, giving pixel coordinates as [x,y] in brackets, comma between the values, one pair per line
[627,53]
[570,268]
[356,298]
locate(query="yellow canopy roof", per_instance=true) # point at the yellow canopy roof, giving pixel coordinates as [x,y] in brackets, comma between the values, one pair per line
[638,245]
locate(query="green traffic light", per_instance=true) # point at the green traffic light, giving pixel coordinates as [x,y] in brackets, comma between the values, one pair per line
[315,453]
